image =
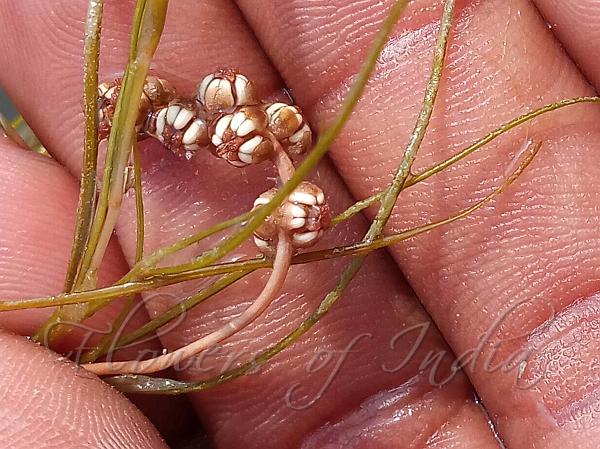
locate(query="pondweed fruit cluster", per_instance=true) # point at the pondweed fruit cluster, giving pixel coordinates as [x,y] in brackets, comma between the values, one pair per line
[228,118]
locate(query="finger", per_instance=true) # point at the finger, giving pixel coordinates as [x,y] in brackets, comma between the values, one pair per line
[49,403]
[300,384]
[36,242]
[179,60]
[575,26]
[36,228]
[181,197]
[492,280]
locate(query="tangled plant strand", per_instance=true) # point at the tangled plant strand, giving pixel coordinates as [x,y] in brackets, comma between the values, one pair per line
[227,117]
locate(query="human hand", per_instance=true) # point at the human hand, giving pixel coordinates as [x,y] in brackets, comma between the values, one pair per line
[512,272]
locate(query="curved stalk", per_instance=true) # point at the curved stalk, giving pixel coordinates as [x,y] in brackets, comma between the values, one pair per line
[391,195]
[265,298]
[281,265]
[180,309]
[152,385]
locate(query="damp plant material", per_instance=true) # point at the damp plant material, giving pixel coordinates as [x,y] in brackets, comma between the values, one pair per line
[152,385]
[148,23]
[298,223]
[226,89]
[305,215]
[107,343]
[179,126]
[285,220]
[390,196]
[240,137]
[288,125]
[87,189]
[309,195]
[156,92]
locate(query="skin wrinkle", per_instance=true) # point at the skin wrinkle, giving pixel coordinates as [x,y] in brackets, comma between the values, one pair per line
[18,241]
[392,140]
[235,413]
[560,347]
[220,410]
[382,418]
[57,392]
[484,268]
[31,269]
[573,24]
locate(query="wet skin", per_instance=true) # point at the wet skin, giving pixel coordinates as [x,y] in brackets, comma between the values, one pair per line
[517,281]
